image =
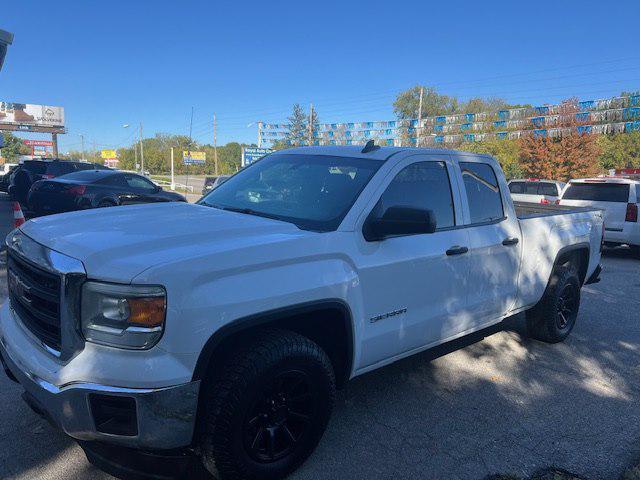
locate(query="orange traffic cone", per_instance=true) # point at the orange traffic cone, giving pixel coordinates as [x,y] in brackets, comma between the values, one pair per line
[18,216]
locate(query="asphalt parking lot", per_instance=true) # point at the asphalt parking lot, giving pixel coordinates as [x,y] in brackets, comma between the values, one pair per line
[505,404]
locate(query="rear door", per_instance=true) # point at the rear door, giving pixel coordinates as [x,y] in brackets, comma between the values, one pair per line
[609,196]
[494,240]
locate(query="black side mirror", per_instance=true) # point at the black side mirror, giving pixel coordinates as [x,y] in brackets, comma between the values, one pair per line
[398,220]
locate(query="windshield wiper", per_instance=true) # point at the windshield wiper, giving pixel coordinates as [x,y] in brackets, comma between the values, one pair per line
[247,211]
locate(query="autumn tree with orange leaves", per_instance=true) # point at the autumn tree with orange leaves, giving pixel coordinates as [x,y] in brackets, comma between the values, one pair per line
[567,153]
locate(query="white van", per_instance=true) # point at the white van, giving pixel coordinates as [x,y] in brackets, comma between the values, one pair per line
[534,190]
[618,197]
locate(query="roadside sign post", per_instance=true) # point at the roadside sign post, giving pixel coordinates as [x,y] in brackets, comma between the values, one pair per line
[253,154]
[173,182]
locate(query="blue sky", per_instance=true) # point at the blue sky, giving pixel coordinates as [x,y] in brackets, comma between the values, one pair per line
[115,62]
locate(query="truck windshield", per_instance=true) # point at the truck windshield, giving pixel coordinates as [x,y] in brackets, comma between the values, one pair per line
[314,192]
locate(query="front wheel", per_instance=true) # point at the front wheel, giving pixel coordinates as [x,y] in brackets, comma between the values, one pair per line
[553,318]
[267,412]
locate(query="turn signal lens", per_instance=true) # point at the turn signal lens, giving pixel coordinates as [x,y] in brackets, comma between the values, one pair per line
[146,312]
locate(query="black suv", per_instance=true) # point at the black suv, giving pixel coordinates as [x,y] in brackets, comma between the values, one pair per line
[33,170]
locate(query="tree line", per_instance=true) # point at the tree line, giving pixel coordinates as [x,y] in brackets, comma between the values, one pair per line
[571,155]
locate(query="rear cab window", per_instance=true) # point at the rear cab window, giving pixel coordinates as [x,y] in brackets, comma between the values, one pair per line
[39,168]
[483,192]
[597,192]
[534,188]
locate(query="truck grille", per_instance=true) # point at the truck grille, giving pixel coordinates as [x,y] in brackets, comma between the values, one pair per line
[34,294]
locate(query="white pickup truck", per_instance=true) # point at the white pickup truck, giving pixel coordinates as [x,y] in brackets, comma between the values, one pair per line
[160,334]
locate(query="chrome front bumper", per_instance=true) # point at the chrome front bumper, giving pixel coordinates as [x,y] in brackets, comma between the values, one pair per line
[165,417]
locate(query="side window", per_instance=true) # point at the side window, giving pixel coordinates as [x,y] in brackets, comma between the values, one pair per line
[139,183]
[516,187]
[483,192]
[423,185]
[114,181]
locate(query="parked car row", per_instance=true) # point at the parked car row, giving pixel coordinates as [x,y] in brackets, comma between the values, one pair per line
[213,182]
[617,196]
[95,189]
[55,186]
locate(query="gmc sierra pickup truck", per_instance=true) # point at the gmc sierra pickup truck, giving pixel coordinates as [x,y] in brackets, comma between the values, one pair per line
[159,334]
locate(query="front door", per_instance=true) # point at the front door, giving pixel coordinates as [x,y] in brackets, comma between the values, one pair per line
[415,292]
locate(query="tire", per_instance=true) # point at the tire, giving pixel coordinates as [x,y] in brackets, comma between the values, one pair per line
[279,391]
[106,204]
[553,318]
[635,251]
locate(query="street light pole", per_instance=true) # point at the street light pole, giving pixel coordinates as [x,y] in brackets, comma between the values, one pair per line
[141,151]
[82,138]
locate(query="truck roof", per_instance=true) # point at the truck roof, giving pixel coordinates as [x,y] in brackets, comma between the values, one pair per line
[380,153]
[606,180]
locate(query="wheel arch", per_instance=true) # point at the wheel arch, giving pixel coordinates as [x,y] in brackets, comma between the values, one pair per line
[113,199]
[579,254]
[316,320]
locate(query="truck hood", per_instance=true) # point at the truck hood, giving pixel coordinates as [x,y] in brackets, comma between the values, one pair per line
[118,243]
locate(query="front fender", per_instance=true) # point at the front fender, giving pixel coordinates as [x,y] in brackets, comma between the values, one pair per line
[201,302]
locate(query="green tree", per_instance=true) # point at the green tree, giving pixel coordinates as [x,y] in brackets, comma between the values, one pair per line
[621,150]
[13,147]
[507,152]
[407,103]
[297,132]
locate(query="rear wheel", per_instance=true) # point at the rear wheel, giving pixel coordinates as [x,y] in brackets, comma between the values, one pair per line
[635,251]
[106,204]
[553,318]
[268,411]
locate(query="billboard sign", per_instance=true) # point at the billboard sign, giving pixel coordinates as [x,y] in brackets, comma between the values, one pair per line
[253,154]
[108,154]
[194,158]
[24,115]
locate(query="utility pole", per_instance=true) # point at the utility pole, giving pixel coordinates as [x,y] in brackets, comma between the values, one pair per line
[82,138]
[54,139]
[311,125]
[215,146]
[141,151]
[259,134]
[419,128]
[135,152]
[173,182]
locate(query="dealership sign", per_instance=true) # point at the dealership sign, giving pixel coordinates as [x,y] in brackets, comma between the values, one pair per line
[252,154]
[39,148]
[108,154]
[26,115]
[194,158]
[38,143]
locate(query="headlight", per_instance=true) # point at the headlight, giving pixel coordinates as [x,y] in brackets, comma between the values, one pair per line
[125,316]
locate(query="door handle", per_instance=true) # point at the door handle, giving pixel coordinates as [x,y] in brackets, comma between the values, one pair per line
[456,250]
[510,241]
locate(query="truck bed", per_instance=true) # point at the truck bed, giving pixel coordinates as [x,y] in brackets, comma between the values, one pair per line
[532,210]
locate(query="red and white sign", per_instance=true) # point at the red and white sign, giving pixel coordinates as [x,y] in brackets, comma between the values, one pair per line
[111,162]
[38,143]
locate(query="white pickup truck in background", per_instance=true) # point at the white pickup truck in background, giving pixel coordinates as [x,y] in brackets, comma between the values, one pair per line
[164,333]
[618,198]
